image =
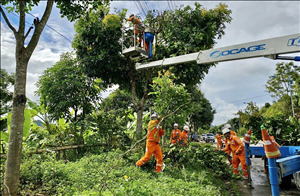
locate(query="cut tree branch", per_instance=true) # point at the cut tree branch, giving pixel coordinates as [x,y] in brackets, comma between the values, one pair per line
[7,21]
[121,156]
[28,32]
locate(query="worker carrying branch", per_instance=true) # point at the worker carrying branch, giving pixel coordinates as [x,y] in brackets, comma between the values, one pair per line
[152,146]
[236,146]
[138,27]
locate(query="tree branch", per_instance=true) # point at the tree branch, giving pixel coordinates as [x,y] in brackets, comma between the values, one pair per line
[7,21]
[28,32]
[21,30]
[121,156]
[39,27]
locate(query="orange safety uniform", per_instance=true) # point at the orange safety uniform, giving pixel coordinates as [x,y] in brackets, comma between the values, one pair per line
[152,146]
[184,136]
[235,145]
[138,26]
[175,136]
[219,141]
[226,141]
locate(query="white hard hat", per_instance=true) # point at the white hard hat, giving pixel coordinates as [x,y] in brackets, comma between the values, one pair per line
[175,125]
[228,126]
[131,15]
[153,116]
[225,130]
[186,128]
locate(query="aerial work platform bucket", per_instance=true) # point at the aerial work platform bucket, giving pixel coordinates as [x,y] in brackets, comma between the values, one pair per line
[129,43]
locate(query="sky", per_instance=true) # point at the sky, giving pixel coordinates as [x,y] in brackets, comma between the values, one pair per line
[229,86]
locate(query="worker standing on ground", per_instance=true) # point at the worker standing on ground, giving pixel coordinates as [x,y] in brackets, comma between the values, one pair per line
[184,135]
[138,27]
[175,135]
[152,145]
[219,140]
[228,126]
[236,146]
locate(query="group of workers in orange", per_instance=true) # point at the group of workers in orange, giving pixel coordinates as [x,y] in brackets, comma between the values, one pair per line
[154,132]
[234,146]
[178,137]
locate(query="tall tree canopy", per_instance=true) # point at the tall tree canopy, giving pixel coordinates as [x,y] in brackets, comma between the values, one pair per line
[283,83]
[64,88]
[178,32]
[23,53]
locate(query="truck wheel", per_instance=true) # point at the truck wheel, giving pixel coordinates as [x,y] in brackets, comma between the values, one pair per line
[286,182]
[297,179]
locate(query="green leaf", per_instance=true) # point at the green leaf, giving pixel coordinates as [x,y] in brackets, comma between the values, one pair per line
[27,123]
[4,136]
[8,122]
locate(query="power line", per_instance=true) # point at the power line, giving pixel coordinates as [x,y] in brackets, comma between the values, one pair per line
[54,29]
[138,8]
[169,5]
[248,98]
[142,8]
[173,4]
[46,25]
[146,6]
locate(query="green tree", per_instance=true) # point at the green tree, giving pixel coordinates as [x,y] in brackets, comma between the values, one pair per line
[202,113]
[252,110]
[119,99]
[173,102]
[182,31]
[283,82]
[6,81]
[64,88]
[23,52]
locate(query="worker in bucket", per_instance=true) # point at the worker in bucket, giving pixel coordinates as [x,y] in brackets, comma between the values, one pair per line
[138,27]
[219,140]
[152,146]
[236,146]
[184,136]
[175,134]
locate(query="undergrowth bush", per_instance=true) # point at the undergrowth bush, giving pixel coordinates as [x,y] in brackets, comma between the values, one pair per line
[189,171]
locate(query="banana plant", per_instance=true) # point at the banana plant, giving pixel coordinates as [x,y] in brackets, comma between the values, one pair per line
[28,114]
[131,125]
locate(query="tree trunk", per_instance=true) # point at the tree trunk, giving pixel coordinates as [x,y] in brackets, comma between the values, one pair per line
[139,124]
[22,55]
[11,179]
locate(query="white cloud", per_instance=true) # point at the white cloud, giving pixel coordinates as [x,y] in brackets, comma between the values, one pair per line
[227,85]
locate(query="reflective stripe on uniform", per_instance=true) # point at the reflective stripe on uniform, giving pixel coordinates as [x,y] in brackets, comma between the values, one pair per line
[159,164]
[142,161]
[235,168]
[247,135]
[245,141]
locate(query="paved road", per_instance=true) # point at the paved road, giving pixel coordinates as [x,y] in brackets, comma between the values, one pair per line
[261,184]
[260,181]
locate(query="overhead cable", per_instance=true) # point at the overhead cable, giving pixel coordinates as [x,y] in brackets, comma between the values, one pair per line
[54,29]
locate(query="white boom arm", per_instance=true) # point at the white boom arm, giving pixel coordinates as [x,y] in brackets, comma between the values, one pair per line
[269,48]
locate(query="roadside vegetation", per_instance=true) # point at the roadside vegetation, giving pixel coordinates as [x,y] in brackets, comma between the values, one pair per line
[76,142]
